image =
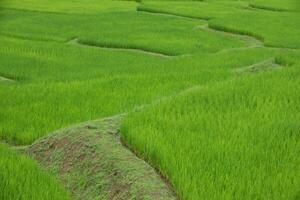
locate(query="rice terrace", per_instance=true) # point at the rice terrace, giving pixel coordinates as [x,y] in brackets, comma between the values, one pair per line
[149,99]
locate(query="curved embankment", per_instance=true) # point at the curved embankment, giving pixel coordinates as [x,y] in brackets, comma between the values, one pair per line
[267,8]
[263,66]
[6,80]
[252,41]
[93,164]
[77,42]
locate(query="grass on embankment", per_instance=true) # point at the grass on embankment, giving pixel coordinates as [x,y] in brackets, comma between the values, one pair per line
[21,178]
[93,164]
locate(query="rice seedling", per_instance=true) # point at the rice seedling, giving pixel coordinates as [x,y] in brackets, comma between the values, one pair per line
[22,178]
[237,139]
[51,95]
[275,5]
[175,36]
[67,6]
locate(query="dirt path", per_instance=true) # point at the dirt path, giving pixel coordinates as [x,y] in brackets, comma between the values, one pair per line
[93,164]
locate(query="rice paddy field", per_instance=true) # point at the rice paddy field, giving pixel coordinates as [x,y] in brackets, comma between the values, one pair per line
[207,94]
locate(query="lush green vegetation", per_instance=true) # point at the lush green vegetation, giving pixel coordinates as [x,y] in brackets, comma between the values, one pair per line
[135,31]
[21,178]
[241,137]
[218,82]
[68,6]
[57,91]
[275,5]
[279,29]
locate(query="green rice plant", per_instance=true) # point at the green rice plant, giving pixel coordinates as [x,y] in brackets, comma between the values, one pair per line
[185,74]
[279,29]
[276,29]
[22,178]
[275,5]
[194,9]
[238,139]
[55,90]
[68,6]
[163,34]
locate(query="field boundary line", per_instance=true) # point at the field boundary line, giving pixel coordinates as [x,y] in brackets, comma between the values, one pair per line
[77,42]
[197,87]
[170,14]
[265,65]
[5,79]
[256,42]
[36,11]
[30,38]
[266,8]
